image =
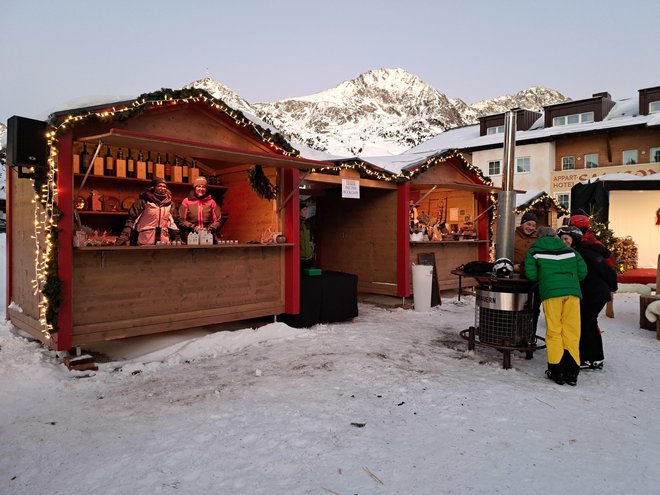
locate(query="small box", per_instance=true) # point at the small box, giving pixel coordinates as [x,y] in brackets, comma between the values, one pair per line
[177,173]
[121,167]
[312,272]
[141,170]
[99,163]
[205,237]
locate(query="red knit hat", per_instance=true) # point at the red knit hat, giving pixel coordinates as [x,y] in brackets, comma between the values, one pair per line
[580,221]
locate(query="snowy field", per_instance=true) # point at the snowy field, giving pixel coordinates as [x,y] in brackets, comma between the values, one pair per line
[390,404]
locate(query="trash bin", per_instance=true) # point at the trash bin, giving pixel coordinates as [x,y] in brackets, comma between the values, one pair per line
[422,277]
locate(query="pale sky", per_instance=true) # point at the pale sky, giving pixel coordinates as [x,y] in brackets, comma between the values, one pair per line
[56,54]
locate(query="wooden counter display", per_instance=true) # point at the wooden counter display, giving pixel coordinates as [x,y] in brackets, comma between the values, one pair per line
[448,255]
[126,291]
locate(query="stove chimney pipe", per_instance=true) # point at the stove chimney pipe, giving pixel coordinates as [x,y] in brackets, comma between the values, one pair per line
[506,200]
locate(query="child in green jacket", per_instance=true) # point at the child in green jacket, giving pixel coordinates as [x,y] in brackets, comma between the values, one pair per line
[558,270]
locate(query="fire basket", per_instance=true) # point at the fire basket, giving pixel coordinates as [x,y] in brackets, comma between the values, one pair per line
[504,316]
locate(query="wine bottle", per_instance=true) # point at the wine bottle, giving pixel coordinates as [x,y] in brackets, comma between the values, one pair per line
[108,163]
[167,166]
[85,159]
[150,166]
[130,165]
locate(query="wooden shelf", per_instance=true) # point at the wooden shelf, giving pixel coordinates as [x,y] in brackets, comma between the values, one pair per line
[141,182]
[113,212]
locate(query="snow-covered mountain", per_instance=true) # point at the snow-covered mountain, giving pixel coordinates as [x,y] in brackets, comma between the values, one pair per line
[381,112]
[3,135]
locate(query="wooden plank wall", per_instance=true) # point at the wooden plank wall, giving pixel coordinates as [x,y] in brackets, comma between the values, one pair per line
[23,246]
[448,256]
[249,215]
[123,293]
[359,236]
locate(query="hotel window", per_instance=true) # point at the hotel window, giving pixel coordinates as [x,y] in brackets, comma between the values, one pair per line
[567,162]
[523,164]
[591,160]
[654,107]
[655,155]
[564,199]
[576,118]
[495,130]
[630,157]
[494,167]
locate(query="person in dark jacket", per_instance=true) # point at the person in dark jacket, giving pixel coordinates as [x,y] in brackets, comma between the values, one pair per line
[151,217]
[597,288]
[558,270]
[199,211]
[583,223]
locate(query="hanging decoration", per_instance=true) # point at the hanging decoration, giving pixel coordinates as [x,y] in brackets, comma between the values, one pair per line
[261,184]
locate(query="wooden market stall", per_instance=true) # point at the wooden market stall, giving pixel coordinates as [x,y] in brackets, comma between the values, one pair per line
[67,296]
[371,236]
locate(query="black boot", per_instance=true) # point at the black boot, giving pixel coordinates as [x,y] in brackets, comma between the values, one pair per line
[555,373]
[571,369]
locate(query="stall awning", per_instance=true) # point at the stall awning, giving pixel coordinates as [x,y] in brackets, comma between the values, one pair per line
[199,151]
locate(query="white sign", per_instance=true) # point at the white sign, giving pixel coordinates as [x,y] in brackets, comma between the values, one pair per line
[350,188]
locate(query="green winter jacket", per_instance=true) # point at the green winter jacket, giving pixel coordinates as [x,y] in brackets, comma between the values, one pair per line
[558,269]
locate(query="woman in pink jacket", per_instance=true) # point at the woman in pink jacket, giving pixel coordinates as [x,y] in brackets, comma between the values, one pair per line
[199,211]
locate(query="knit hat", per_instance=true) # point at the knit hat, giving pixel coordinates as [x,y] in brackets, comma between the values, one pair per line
[529,217]
[545,231]
[156,180]
[200,181]
[580,221]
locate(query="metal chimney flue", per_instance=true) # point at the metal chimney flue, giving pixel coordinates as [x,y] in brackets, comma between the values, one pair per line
[506,200]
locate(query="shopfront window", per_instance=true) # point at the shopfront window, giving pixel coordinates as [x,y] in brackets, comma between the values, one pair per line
[567,162]
[564,199]
[523,164]
[630,157]
[494,167]
[591,160]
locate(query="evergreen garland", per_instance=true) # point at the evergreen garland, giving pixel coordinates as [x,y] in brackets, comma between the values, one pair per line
[261,184]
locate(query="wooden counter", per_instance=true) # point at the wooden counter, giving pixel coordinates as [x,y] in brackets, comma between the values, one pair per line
[448,255]
[125,291]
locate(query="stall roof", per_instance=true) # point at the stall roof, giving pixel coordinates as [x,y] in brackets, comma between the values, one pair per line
[199,150]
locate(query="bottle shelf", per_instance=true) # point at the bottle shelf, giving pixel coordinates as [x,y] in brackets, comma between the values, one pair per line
[142,182]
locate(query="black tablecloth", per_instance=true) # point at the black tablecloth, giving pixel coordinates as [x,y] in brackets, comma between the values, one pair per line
[325,298]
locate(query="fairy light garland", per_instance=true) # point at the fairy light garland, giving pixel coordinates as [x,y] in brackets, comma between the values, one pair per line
[542,200]
[407,175]
[47,283]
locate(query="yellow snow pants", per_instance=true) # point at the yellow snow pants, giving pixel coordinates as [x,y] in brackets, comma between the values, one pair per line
[562,321]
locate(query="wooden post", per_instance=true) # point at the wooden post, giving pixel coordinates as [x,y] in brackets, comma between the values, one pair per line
[644,301]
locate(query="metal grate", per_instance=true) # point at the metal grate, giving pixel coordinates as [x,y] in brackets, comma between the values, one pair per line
[505,328]
[504,318]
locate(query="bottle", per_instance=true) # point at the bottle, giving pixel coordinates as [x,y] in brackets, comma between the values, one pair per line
[184,172]
[159,168]
[108,164]
[141,166]
[194,171]
[85,159]
[150,166]
[130,165]
[177,171]
[168,168]
[120,164]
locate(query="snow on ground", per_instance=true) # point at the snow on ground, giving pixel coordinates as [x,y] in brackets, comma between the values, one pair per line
[392,403]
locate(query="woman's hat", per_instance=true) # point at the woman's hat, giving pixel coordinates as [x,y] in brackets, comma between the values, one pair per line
[156,180]
[200,181]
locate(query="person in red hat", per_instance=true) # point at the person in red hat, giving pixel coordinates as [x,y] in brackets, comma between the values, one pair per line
[583,223]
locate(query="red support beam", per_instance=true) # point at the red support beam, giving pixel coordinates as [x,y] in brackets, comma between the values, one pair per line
[289,191]
[63,337]
[403,240]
